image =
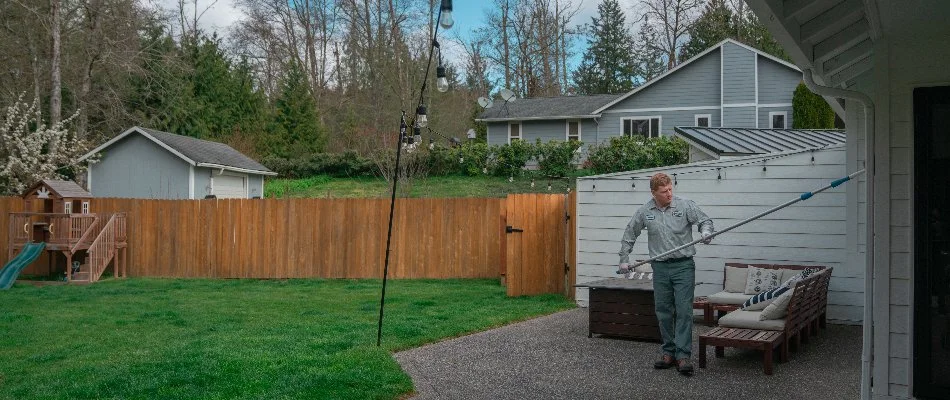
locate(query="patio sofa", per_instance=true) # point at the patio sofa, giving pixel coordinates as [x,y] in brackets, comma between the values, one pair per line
[804,314]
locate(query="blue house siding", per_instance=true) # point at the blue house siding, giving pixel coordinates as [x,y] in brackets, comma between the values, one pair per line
[137,167]
[544,130]
[696,84]
[738,74]
[738,117]
[776,82]
[497,133]
[765,122]
[611,123]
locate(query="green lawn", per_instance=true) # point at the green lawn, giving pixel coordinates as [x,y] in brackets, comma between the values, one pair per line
[438,186]
[235,339]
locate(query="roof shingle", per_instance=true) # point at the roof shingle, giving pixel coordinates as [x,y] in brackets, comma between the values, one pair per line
[541,107]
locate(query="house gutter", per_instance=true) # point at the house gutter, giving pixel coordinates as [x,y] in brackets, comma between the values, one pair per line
[865,100]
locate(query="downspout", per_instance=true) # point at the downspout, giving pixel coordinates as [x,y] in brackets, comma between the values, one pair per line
[865,100]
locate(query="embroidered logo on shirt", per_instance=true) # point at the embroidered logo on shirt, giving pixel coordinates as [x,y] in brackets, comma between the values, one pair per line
[651,217]
[677,214]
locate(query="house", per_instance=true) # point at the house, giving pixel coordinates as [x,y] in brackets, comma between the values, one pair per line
[730,190]
[886,62]
[728,85]
[145,163]
[724,143]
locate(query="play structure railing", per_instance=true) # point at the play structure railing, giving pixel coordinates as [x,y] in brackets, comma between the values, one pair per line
[103,249]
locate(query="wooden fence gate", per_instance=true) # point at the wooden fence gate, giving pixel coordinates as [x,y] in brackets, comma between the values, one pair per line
[539,244]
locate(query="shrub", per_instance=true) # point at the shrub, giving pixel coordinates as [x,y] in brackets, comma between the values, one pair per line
[346,164]
[509,159]
[473,158]
[811,111]
[556,158]
[636,152]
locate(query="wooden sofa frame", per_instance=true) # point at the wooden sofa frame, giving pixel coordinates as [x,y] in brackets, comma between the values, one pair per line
[807,311]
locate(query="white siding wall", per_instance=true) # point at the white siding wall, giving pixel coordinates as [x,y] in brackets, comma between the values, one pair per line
[811,232]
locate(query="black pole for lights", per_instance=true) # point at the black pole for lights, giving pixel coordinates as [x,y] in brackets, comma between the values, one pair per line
[420,121]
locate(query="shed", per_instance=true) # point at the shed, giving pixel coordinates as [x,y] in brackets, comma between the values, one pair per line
[722,143]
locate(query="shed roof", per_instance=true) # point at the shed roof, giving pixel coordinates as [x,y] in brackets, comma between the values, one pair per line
[746,141]
[62,189]
[202,153]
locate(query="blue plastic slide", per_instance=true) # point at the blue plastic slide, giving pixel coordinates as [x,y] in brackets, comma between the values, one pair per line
[27,255]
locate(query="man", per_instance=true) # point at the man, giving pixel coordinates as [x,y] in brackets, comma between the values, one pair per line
[668,220]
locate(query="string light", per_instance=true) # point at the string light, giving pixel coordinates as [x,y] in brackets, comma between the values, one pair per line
[549,186]
[674,180]
[532,182]
[633,181]
[718,174]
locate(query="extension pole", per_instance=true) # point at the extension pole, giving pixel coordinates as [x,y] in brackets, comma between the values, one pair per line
[802,197]
[389,235]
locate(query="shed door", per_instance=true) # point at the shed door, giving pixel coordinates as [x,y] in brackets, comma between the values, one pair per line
[229,187]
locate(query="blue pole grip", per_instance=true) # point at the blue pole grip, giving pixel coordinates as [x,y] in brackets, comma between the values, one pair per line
[838,182]
[806,196]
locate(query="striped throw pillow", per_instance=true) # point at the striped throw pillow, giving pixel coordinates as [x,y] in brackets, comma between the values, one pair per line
[759,301]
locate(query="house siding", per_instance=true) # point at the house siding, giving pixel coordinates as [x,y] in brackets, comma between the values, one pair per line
[696,84]
[136,167]
[738,74]
[810,233]
[777,83]
[611,123]
[738,117]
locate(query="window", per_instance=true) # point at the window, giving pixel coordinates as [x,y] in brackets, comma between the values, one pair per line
[702,120]
[85,207]
[778,120]
[574,130]
[514,131]
[68,207]
[645,126]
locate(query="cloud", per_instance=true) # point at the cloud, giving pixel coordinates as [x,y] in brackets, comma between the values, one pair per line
[217,16]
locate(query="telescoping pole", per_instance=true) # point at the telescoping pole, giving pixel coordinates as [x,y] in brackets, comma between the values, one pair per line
[802,197]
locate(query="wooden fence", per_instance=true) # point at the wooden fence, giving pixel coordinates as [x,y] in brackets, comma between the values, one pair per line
[304,238]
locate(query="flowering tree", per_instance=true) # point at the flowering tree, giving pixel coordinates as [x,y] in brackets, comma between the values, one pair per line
[30,150]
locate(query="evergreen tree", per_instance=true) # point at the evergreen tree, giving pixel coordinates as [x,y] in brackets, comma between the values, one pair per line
[716,23]
[608,66]
[296,130]
[810,110]
[649,58]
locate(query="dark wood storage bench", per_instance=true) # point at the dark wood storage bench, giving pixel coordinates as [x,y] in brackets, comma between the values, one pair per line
[622,307]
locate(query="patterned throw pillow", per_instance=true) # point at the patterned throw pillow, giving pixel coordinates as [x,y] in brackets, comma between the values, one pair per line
[804,274]
[761,280]
[759,301]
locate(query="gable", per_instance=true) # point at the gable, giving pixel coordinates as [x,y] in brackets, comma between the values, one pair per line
[776,82]
[692,85]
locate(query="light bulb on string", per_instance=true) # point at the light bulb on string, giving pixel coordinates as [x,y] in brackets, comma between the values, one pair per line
[421,119]
[441,82]
[446,20]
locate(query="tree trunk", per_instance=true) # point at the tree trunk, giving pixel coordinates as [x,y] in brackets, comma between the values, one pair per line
[56,96]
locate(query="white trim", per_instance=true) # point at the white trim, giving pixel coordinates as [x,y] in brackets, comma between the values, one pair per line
[89,178]
[585,116]
[567,130]
[262,187]
[236,169]
[766,55]
[659,128]
[129,132]
[661,109]
[755,58]
[775,105]
[191,182]
[722,110]
[784,115]
[739,105]
[85,207]
[708,117]
[520,130]
[691,60]
[67,207]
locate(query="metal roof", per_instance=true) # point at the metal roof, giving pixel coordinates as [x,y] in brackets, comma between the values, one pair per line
[746,141]
[547,108]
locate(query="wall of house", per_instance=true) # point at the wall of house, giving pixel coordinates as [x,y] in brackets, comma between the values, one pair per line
[810,233]
[913,55]
[136,167]
[738,75]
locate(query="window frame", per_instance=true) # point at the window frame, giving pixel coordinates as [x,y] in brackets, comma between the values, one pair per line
[708,117]
[784,115]
[520,131]
[567,130]
[650,118]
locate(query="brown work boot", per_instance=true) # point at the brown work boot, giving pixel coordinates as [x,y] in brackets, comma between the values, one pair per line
[665,363]
[684,366]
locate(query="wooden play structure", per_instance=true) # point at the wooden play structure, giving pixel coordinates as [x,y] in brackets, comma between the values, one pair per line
[60,214]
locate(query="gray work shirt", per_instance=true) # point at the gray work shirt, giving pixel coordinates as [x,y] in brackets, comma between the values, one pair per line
[667,228]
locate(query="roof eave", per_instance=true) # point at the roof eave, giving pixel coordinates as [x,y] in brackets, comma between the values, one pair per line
[236,169]
[541,118]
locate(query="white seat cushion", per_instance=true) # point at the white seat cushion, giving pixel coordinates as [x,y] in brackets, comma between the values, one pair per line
[750,320]
[728,298]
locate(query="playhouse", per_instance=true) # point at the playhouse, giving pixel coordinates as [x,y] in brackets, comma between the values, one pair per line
[58,218]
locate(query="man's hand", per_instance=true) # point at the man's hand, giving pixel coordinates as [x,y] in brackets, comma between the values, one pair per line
[624,268]
[707,237]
